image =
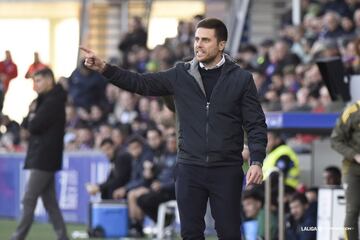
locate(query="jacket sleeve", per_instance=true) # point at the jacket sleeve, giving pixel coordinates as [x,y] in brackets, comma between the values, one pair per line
[150,84]
[47,113]
[340,136]
[254,121]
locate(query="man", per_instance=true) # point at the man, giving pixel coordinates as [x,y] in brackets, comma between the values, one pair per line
[135,147]
[146,200]
[214,100]
[282,156]
[302,219]
[86,88]
[46,123]
[8,71]
[332,176]
[119,172]
[155,141]
[253,201]
[345,139]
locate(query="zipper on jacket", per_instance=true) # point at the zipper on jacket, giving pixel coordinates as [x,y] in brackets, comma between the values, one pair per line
[207,131]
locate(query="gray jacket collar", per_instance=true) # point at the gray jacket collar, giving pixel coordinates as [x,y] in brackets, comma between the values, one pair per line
[194,71]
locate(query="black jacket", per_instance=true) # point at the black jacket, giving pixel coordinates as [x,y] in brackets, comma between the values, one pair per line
[119,175]
[210,134]
[46,126]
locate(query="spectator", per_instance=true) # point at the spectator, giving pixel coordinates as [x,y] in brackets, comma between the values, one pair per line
[155,141]
[10,127]
[261,84]
[97,116]
[124,111]
[147,200]
[253,201]
[357,22]
[288,102]
[138,154]
[312,194]
[86,87]
[332,26]
[302,219]
[8,71]
[348,26]
[35,66]
[248,54]
[120,169]
[282,156]
[84,137]
[332,176]
[119,135]
[72,118]
[104,131]
[144,109]
[136,36]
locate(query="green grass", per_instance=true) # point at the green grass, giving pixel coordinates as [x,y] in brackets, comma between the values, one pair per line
[42,231]
[38,231]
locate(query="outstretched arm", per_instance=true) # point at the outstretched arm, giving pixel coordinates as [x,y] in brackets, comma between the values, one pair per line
[152,84]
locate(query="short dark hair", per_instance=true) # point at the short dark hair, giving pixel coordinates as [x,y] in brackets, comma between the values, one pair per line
[313,189]
[155,130]
[221,32]
[45,72]
[135,138]
[299,197]
[255,194]
[107,141]
[333,170]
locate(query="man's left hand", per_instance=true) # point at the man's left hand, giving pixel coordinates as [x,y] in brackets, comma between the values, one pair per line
[254,175]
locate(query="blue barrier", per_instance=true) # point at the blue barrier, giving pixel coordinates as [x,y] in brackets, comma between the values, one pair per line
[78,169]
[301,121]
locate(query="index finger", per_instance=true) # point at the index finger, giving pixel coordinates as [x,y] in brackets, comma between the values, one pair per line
[85,49]
[249,178]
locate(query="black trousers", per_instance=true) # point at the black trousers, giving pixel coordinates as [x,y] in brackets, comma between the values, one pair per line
[150,202]
[222,186]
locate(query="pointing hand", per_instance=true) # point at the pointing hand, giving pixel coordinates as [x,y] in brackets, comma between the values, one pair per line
[92,61]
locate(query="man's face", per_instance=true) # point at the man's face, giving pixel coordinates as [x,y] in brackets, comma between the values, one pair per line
[42,84]
[297,209]
[108,150]
[207,49]
[135,149]
[329,179]
[154,139]
[251,207]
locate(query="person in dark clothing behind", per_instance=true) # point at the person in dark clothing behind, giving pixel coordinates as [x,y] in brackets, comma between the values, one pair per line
[135,147]
[147,200]
[86,88]
[302,220]
[215,100]
[119,173]
[155,141]
[46,124]
[136,36]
